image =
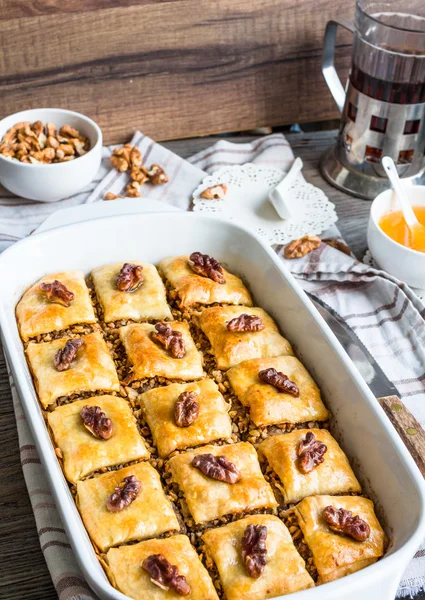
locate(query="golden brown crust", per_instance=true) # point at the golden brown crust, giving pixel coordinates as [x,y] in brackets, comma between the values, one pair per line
[337,555]
[284,572]
[36,315]
[147,303]
[213,422]
[208,499]
[149,359]
[82,452]
[195,289]
[93,369]
[230,348]
[149,515]
[333,476]
[268,406]
[127,575]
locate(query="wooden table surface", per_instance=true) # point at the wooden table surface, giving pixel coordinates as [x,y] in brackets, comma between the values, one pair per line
[24,571]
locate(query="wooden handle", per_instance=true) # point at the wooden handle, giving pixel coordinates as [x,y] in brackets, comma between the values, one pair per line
[408,428]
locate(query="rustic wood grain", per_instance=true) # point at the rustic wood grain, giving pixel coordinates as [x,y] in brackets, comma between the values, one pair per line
[172,69]
[409,429]
[24,571]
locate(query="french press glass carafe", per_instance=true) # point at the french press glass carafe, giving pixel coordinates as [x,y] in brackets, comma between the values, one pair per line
[383,108]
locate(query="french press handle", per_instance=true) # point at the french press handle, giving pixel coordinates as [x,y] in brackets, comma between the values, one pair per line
[328,60]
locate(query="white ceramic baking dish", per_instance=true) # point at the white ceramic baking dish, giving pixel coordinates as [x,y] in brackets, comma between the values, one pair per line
[382,462]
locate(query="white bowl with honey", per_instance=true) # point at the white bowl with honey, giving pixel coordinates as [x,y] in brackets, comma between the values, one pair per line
[390,240]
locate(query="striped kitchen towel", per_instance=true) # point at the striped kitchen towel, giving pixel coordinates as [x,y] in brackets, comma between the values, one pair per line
[385,314]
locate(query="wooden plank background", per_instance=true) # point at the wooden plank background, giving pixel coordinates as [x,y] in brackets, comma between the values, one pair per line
[172,68]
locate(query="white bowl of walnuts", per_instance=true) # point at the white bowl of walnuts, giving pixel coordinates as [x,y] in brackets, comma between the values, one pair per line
[48,154]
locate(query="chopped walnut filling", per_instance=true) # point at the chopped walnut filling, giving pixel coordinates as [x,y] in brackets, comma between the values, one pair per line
[343,521]
[64,357]
[186,409]
[130,277]
[57,293]
[217,467]
[279,381]
[301,247]
[125,493]
[216,192]
[165,575]
[170,339]
[254,549]
[95,421]
[41,144]
[207,266]
[246,323]
[310,453]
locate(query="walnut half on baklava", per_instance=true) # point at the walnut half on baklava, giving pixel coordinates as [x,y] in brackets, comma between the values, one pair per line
[255,569]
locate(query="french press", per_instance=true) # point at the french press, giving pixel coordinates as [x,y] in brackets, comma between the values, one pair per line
[383,107]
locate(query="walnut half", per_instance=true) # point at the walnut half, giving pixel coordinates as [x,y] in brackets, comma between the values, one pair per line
[64,357]
[186,409]
[310,453]
[207,266]
[170,339]
[130,277]
[279,381]
[95,421]
[254,549]
[125,493]
[217,467]
[57,293]
[343,521]
[165,575]
[246,323]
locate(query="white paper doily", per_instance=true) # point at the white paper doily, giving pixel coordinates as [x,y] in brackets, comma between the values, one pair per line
[246,202]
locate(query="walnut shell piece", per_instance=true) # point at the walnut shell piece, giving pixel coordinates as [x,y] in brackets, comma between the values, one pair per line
[246,323]
[279,381]
[254,549]
[95,421]
[207,266]
[215,192]
[172,341]
[338,245]
[217,467]
[343,521]
[57,293]
[130,277]
[186,409]
[310,453]
[165,575]
[301,247]
[125,493]
[64,357]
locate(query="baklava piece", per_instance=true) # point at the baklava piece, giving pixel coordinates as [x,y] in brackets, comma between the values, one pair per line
[200,279]
[307,462]
[161,350]
[124,506]
[130,291]
[185,415]
[54,303]
[219,480]
[159,569]
[68,366]
[270,398]
[256,559]
[341,533]
[238,333]
[96,433]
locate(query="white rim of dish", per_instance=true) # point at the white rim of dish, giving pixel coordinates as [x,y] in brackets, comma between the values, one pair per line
[63,111]
[375,222]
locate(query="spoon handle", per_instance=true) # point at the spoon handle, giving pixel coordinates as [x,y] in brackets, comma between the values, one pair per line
[391,171]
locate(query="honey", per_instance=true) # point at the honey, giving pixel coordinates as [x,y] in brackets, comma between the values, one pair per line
[393,224]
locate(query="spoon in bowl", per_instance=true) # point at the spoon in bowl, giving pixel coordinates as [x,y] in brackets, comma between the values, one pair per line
[416,229]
